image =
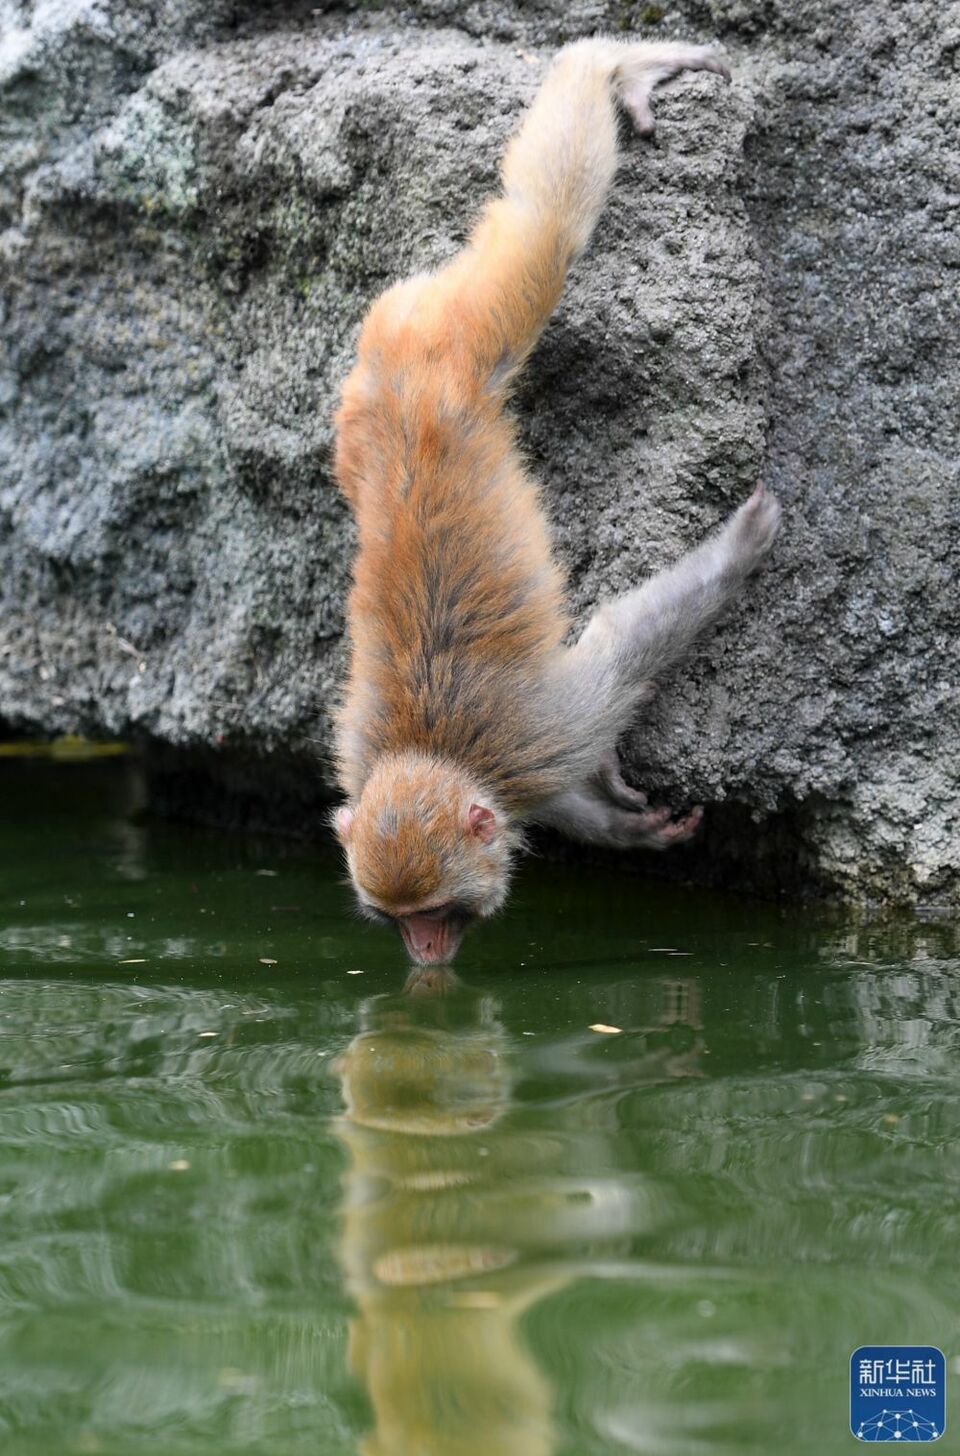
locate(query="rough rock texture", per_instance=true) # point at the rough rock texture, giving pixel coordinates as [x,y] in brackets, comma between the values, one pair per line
[198,201]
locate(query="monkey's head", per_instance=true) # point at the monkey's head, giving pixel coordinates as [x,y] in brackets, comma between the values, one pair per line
[428,852]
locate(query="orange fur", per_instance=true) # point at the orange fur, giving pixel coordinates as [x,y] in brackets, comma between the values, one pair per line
[456,600]
[452,543]
[410,838]
[456,618]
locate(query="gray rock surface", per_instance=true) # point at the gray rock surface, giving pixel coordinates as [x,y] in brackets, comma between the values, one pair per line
[197,203]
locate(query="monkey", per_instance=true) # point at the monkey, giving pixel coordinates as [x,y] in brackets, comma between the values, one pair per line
[465,715]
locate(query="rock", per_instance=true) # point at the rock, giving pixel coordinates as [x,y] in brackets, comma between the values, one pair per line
[198,202]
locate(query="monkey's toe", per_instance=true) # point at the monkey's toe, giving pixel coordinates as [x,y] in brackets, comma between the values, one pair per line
[698,58]
[712,62]
[654,64]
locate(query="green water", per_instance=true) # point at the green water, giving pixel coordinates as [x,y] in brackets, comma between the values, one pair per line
[286,1208]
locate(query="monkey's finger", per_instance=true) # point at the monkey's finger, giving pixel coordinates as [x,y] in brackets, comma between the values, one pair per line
[683,828]
[669,831]
[654,821]
[616,789]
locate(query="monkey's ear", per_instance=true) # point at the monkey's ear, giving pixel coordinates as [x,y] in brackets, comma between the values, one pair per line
[482,822]
[343,823]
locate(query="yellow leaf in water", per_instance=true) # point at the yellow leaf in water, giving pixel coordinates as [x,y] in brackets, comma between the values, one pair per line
[607,1030]
[68,747]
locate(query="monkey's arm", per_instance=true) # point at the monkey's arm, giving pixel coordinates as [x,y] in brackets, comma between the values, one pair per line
[631,640]
[626,643]
[556,176]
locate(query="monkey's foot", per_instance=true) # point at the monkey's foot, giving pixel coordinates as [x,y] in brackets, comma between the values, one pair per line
[754,528]
[646,66]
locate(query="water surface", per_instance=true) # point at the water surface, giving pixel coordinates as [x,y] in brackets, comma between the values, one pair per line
[255,1197]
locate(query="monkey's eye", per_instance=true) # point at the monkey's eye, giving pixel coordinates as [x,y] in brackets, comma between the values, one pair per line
[371,912]
[453,910]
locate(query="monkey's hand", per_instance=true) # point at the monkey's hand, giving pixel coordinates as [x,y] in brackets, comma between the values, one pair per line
[605,810]
[646,66]
[654,828]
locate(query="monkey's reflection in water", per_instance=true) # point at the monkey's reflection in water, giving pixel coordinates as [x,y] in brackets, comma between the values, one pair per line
[453,1226]
[432,1235]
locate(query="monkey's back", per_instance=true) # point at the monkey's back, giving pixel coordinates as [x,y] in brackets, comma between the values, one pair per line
[457,605]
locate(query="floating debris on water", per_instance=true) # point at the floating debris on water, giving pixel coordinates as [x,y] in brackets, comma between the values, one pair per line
[70,746]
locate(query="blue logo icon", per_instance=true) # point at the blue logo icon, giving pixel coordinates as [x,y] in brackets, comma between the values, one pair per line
[898,1393]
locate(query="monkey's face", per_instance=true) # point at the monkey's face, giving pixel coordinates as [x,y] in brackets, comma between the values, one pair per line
[425,855]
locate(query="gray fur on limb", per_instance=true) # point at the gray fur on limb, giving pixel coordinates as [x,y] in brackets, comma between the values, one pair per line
[625,645]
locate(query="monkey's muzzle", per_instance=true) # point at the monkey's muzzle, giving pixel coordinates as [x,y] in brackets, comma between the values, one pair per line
[432,940]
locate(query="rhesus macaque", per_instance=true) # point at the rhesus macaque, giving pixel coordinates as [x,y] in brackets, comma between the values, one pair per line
[465,715]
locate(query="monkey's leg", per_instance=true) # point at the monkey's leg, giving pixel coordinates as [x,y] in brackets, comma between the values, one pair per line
[629,641]
[556,176]
[587,813]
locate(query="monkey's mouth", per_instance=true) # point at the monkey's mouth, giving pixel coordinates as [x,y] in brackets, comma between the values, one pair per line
[432,940]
